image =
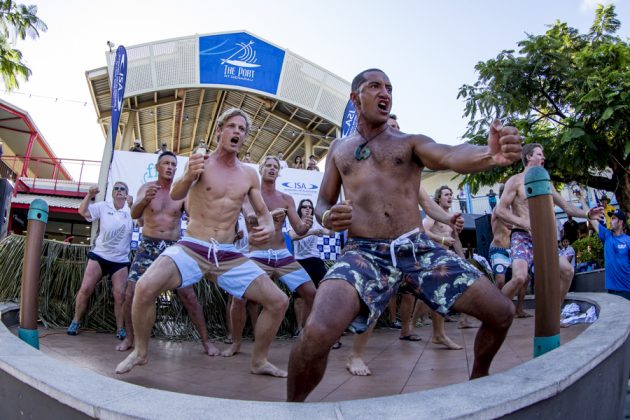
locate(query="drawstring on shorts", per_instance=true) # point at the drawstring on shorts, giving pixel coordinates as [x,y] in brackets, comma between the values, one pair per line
[401,240]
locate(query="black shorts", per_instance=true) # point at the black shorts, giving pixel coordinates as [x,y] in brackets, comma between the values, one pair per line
[107,267]
[315,268]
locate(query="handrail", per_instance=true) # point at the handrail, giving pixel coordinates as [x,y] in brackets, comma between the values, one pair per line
[50,175]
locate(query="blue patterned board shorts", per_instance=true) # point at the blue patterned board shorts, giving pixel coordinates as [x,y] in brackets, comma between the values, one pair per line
[419,266]
[148,251]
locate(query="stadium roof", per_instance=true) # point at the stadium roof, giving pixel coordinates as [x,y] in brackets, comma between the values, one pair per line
[175,90]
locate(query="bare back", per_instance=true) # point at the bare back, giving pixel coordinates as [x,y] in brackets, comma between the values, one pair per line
[162,216]
[384,187]
[216,198]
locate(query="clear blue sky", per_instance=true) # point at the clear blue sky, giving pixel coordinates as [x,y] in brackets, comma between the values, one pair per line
[428,48]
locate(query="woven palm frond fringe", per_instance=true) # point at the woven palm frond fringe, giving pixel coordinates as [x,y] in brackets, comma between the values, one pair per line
[62,268]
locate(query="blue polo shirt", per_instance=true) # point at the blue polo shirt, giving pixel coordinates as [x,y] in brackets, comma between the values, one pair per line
[616,259]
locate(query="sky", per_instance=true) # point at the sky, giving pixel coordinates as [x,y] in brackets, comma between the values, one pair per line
[427,48]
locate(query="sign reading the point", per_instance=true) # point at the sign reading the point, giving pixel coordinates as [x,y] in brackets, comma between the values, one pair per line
[240,59]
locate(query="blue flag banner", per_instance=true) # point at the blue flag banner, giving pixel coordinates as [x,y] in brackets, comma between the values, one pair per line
[350,120]
[240,59]
[118,90]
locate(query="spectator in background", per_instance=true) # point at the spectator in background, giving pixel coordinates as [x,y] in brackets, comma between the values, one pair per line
[608,209]
[137,146]
[247,158]
[616,253]
[492,199]
[1,153]
[461,197]
[567,251]
[312,164]
[283,163]
[110,255]
[570,230]
[298,163]
[307,254]
[305,246]
[162,149]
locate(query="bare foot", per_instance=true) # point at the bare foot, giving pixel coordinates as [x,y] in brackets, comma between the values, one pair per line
[210,349]
[357,367]
[125,345]
[130,362]
[466,324]
[232,350]
[523,314]
[450,344]
[268,369]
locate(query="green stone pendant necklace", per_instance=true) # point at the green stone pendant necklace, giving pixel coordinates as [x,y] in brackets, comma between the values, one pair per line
[363,152]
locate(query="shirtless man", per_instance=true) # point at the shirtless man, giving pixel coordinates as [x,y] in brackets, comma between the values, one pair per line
[356,365]
[273,257]
[161,218]
[501,261]
[216,186]
[380,169]
[499,251]
[448,238]
[514,209]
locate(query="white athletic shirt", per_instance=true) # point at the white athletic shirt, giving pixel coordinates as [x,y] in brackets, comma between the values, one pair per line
[307,247]
[114,237]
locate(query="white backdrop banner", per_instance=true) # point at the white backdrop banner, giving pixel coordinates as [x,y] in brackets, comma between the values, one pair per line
[136,169]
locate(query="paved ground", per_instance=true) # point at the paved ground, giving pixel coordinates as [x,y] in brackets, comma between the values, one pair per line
[397,366]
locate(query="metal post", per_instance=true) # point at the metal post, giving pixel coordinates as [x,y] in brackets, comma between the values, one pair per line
[37,219]
[547,285]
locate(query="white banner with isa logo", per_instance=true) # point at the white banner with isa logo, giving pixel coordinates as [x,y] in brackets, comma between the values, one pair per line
[136,169]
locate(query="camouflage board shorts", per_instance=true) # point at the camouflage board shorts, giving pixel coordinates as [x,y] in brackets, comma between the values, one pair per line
[148,251]
[377,268]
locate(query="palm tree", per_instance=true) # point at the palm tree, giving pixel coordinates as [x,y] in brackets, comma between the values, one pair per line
[17,21]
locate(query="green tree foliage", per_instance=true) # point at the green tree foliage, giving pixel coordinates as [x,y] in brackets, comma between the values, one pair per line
[17,21]
[568,91]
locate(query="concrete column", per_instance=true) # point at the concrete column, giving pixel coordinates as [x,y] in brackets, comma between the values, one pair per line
[308,146]
[128,132]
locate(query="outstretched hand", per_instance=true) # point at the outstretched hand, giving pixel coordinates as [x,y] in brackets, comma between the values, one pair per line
[504,143]
[596,213]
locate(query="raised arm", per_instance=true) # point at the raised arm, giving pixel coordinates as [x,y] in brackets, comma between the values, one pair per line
[338,217]
[331,185]
[504,148]
[594,213]
[145,195]
[261,233]
[85,203]
[300,226]
[194,168]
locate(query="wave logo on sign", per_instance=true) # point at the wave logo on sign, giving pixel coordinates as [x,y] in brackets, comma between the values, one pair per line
[150,174]
[299,186]
[241,61]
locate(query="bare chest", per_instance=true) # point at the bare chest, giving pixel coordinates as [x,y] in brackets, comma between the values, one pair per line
[163,204]
[232,184]
[357,159]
